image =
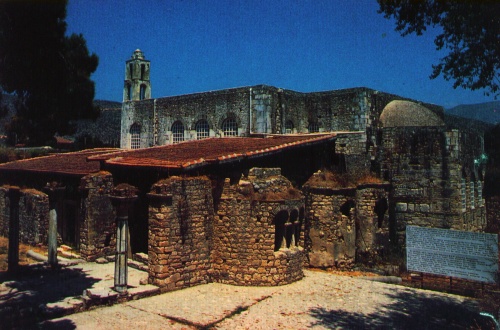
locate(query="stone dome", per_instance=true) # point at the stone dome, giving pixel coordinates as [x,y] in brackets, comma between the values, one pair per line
[400,113]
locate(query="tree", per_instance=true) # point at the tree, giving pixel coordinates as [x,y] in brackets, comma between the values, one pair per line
[47,70]
[470,31]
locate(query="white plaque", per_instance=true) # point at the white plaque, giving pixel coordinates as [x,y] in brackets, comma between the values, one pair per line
[462,254]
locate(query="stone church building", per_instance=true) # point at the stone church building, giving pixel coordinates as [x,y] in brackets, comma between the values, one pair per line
[248,185]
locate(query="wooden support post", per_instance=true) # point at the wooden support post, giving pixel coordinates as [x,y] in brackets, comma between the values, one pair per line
[13,256]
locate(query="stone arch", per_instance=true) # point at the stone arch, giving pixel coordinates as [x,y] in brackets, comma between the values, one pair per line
[279,221]
[229,116]
[290,228]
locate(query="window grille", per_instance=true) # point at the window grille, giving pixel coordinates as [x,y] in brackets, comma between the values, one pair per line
[202,129]
[177,132]
[230,127]
[135,136]
[313,128]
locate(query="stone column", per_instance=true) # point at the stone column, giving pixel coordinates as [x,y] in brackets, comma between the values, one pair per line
[14,195]
[55,194]
[122,198]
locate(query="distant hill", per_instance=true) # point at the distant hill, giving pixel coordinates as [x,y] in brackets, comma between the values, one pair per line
[105,129]
[488,112]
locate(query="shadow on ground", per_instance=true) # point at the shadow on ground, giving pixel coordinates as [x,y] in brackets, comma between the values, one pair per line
[409,310]
[25,295]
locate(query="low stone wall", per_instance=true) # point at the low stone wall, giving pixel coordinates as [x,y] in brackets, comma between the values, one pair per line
[97,216]
[180,232]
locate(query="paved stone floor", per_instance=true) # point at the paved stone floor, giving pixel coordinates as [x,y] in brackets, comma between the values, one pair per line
[321,301]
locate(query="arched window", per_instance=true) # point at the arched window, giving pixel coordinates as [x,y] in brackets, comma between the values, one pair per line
[142,94]
[279,230]
[202,129]
[313,128]
[177,132]
[288,127]
[135,136]
[230,127]
[129,92]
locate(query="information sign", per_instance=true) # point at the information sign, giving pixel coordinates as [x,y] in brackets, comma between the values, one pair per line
[461,254]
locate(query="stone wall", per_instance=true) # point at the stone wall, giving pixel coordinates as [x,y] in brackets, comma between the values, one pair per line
[4,211]
[180,232]
[372,222]
[258,109]
[493,212]
[331,231]
[346,225]
[258,236]
[432,173]
[33,217]
[97,224]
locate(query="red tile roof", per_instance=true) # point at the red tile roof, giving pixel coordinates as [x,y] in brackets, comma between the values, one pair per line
[73,163]
[190,154]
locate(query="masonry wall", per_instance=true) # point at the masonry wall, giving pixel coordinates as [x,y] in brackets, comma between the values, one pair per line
[97,216]
[427,168]
[344,225]
[180,232]
[33,217]
[331,231]
[373,227]
[249,246]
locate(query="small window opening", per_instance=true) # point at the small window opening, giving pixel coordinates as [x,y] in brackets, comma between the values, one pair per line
[142,94]
[279,229]
[131,70]
[380,209]
[288,127]
[143,69]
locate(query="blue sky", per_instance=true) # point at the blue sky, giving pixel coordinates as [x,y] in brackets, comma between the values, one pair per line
[316,45]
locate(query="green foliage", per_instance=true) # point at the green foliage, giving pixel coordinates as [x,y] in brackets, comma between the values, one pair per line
[47,70]
[469,31]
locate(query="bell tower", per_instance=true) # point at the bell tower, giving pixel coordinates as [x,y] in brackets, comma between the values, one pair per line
[137,84]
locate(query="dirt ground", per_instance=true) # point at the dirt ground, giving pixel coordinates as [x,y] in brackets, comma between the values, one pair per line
[488,296]
[23,249]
